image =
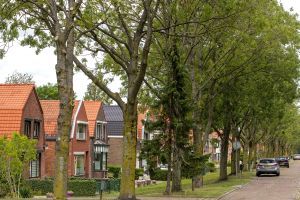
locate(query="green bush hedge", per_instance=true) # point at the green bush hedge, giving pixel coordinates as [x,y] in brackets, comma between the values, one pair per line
[138,172]
[84,187]
[210,167]
[115,171]
[159,175]
[80,187]
[37,185]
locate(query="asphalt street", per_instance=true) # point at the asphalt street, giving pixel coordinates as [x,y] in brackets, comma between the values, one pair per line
[269,187]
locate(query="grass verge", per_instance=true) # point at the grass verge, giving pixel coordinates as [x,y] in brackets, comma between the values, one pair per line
[212,187]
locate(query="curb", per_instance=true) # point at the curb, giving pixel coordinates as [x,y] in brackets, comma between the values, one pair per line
[235,189]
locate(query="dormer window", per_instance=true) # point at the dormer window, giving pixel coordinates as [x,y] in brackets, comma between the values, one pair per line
[81,131]
[27,128]
[37,129]
[100,131]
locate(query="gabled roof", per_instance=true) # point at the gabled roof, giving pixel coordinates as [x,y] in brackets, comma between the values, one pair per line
[13,98]
[114,117]
[113,113]
[51,112]
[92,109]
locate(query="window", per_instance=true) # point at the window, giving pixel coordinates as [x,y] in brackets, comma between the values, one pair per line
[36,129]
[100,131]
[35,167]
[27,128]
[79,165]
[81,131]
[100,161]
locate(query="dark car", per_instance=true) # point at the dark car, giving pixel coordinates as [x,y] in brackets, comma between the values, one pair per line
[283,161]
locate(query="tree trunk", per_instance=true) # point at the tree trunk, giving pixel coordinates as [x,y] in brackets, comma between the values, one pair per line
[224,152]
[64,73]
[245,155]
[233,165]
[170,156]
[176,175]
[129,152]
[198,142]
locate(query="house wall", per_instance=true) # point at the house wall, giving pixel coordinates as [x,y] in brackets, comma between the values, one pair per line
[50,159]
[115,151]
[80,146]
[33,111]
[98,174]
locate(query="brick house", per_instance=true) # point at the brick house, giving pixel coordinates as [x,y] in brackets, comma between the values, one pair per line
[99,142]
[79,147]
[20,111]
[114,118]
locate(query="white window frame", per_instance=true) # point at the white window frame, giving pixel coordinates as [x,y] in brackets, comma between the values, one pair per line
[75,164]
[36,163]
[102,131]
[78,134]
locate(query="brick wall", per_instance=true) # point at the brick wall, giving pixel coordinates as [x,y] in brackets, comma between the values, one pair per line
[50,159]
[115,151]
[33,111]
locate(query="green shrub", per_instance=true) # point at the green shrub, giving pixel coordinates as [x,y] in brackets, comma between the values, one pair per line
[115,170]
[83,187]
[210,167]
[80,186]
[4,189]
[159,175]
[139,172]
[37,185]
[25,192]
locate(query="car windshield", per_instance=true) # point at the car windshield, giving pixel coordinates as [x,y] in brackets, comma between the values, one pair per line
[266,161]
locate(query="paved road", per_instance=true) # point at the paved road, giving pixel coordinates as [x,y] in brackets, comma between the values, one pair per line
[284,187]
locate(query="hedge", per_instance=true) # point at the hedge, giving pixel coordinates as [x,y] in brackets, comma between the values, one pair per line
[84,187]
[80,187]
[139,172]
[158,174]
[44,186]
[115,170]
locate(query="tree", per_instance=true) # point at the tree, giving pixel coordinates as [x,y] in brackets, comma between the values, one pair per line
[51,23]
[124,35]
[19,78]
[13,161]
[48,92]
[94,93]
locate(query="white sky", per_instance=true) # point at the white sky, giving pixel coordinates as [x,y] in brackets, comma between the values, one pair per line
[42,66]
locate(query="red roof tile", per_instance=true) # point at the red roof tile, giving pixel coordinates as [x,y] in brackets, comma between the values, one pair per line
[13,98]
[51,112]
[92,109]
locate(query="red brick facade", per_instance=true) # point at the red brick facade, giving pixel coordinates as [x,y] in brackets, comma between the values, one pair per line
[77,147]
[22,99]
[115,150]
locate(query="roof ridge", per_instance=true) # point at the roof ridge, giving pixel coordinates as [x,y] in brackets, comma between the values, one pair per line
[17,84]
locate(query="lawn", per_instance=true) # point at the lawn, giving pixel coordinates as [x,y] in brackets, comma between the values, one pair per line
[212,187]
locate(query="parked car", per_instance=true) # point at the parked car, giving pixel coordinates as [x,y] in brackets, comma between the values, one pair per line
[283,161]
[267,166]
[296,157]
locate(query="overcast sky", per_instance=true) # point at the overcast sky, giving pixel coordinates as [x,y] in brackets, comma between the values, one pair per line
[42,66]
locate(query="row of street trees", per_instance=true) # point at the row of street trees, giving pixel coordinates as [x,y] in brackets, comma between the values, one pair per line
[229,66]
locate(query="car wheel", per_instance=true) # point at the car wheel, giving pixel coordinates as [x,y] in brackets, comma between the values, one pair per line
[278,174]
[257,174]
[288,166]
